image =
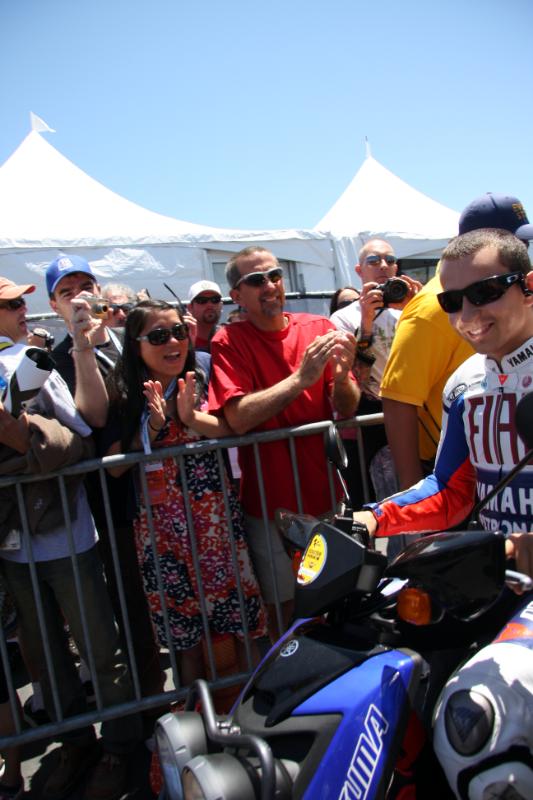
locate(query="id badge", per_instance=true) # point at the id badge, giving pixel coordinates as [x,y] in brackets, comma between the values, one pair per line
[155,479]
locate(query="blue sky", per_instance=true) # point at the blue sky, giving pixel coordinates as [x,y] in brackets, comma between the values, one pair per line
[253,114]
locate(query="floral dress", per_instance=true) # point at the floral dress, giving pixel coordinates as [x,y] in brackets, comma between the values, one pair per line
[174,551]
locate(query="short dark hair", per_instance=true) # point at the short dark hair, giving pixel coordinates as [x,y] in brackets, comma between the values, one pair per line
[232,267]
[512,252]
[334,302]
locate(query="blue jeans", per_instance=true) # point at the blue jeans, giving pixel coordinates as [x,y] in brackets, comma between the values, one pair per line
[60,606]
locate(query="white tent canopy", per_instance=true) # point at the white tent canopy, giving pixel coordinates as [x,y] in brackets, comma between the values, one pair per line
[379,204]
[48,205]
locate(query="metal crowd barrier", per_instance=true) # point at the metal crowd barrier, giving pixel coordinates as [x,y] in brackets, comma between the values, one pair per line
[141,703]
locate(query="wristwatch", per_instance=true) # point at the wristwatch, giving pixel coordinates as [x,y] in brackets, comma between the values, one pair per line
[365,358]
[364,342]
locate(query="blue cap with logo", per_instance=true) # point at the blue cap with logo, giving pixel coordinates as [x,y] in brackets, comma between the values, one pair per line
[65,265]
[496,211]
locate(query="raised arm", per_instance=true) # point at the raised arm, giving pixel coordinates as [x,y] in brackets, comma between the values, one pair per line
[248,411]
[346,391]
[206,424]
[91,394]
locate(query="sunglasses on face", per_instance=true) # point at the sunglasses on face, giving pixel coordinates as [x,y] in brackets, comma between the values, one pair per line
[13,305]
[374,261]
[125,307]
[480,293]
[255,279]
[158,336]
[215,299]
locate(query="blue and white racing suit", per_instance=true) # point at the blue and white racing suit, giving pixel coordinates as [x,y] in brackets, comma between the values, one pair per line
[483,722]
[479,445]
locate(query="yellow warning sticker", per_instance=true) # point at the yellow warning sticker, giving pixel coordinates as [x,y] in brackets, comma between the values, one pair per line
[313,560]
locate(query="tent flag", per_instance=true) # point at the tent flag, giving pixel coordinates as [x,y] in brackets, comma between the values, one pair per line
[39,125]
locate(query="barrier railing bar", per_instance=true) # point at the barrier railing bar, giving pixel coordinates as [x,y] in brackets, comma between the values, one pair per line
[179,452]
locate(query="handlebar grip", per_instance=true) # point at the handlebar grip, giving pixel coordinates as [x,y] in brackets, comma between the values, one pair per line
[518,580]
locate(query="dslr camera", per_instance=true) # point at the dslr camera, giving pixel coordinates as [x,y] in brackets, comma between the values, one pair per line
[394,290]
[99,306]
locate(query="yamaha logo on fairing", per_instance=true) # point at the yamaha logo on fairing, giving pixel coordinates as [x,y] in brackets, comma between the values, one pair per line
[289,648]
[366,756]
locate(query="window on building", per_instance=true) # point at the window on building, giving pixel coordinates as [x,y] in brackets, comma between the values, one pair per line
[421,269]
[293,281]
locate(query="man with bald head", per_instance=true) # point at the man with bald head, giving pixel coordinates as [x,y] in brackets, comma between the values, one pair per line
[372,319]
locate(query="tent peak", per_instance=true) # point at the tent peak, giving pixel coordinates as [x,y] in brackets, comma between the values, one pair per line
[378,201]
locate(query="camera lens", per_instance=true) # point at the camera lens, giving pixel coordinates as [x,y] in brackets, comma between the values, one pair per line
[394,291]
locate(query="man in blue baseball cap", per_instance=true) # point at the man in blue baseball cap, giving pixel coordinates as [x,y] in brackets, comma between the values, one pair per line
[88,350]
[84,358]
[493,210]
[63,266]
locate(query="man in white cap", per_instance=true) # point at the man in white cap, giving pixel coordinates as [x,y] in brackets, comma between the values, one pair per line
[205,305]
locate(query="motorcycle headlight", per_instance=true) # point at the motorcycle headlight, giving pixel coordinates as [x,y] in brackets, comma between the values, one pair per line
[179,737]
[219,776]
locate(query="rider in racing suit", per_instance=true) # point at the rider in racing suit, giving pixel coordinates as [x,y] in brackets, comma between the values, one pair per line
[484,750]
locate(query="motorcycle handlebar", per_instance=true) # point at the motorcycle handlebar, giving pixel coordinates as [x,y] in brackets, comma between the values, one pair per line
[517,580]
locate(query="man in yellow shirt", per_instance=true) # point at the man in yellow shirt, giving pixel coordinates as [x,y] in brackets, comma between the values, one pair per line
[426,350]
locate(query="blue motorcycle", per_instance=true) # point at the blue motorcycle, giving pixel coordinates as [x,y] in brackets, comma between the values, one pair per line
[339,707]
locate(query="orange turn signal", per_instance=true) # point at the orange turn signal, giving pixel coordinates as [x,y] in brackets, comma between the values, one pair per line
[414,606]
[296,558]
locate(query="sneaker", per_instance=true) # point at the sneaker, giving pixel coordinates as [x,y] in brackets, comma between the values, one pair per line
[108,779]
[34,718]
[74,761]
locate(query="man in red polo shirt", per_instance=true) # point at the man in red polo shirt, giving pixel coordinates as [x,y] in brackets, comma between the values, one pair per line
[278,370]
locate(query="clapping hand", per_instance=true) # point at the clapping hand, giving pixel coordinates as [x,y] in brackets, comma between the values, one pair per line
[157,405]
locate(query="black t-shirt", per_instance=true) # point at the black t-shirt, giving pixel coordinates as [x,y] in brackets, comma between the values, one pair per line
[119,489]
[106,355]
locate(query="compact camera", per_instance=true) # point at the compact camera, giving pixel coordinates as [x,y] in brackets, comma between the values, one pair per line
[99,306]
[394,290]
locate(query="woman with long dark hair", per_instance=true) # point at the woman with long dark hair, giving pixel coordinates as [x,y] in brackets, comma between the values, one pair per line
[156,394]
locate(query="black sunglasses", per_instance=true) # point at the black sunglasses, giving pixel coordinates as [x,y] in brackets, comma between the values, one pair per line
[158,336]
[480,293]
[13,305]
[215,299]
[274,275]
[125,307]
[373,260]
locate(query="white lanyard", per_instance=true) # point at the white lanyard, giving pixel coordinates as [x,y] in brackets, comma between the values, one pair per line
[115,339]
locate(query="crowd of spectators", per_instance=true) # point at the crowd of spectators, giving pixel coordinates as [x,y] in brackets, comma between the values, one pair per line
[177,549]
